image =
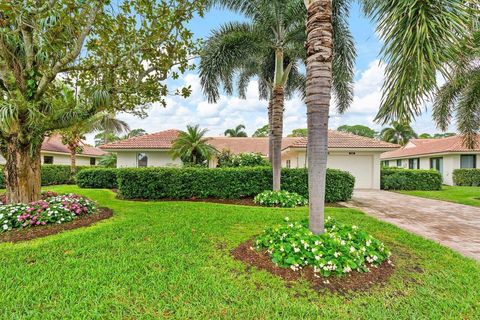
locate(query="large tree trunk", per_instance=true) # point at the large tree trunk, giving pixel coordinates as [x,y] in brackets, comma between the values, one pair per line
[22,172]
[318,93]
[278,99]
[270,130]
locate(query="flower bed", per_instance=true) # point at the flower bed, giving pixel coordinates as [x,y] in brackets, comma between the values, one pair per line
[52,209]
[340,250]
[282,199]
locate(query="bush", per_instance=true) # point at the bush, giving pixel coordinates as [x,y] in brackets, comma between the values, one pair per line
[225,183]
[466,177]
[248,159]
[406,179]
[98,178]
[52,174]
[52,209]
[283,199]
[340,250]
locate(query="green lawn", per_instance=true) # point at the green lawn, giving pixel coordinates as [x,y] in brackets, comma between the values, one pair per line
[172,260]
[464,195]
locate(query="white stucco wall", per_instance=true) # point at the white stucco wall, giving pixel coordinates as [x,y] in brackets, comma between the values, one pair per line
[128,159]
[61,159]
[451,161]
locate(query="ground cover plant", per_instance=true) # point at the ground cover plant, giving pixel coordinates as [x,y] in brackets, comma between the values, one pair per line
[463,195]
[340,250]
[53,208]
[282,198]
[173,260]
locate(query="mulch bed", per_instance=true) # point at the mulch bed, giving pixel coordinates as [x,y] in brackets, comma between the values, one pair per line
[354,281]
[43,231]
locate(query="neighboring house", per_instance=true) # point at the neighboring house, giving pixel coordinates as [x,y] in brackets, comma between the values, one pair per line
[444,155]
[358,155]
[55,152]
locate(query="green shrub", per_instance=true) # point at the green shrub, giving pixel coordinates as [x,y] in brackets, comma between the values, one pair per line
[225,183]
[340,250]
[466,177]
[52,174]
[98,178]
[407,179]
[282,199]
[248,159]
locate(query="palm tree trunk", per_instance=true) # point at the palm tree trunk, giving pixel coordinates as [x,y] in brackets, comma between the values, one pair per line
[278,99]
[270,132]
[22,172]
[73,160]
[318,93]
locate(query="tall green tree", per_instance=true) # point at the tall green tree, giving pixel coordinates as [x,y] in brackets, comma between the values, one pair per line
[261,132]
[135,133]
[415,37]
[358,130]
[119,55]
[302,132]
[192,146]
[109,125]
[238,131]
[399,133]
[269,45]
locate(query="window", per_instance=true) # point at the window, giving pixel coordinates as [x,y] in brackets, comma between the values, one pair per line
[414,163]
[399,163]
[437,164]
[47,159]
[142,160]
[93,161]
[289,164]
[386,163]
[468,161]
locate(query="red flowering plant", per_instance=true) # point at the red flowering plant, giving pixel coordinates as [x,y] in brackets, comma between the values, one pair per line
[53,208]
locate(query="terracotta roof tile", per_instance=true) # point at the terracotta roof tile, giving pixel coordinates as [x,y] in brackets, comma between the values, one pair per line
[54,143]
[418,147]
[164,139]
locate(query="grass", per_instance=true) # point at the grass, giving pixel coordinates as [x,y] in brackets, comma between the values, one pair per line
[172,260]
[463,195]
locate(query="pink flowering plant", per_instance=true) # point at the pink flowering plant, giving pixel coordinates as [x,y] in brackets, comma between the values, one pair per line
[53,208]
[340,250]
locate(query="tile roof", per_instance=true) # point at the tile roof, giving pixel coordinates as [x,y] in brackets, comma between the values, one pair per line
[417,147]
[164,139]
[54,143]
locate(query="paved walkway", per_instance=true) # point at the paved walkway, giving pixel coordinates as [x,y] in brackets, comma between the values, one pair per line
[453,225]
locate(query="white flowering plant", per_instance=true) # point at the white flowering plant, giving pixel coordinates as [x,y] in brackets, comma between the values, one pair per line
[53,208]
[282,199]
[340,250]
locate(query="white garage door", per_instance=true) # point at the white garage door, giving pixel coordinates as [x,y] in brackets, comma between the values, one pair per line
[361,167]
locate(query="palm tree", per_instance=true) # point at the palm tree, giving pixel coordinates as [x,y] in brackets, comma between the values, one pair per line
[238,131]
[73,136]
[418,38]
[399,133]
[270,46]
[192,146]
[249,48]
[109,160]
[459,97]
[135,133]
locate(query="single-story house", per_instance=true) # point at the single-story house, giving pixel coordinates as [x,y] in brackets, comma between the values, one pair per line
[444,155]
[358,155]
[55,152]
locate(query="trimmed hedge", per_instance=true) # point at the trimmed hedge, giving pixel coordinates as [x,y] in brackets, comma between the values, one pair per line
[185,183]
[407,179]
[466,177]
[100,178]
[52,174]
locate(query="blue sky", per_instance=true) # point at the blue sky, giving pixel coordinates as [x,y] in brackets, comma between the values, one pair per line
[231,111]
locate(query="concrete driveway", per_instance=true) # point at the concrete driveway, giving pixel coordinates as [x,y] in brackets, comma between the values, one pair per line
[453,225]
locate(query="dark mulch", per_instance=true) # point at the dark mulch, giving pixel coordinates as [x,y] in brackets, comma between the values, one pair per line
[354,281]
[43,231]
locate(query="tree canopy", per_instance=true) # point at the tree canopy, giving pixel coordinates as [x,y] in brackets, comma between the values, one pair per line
[302,132]
[358,130]
[261,132]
